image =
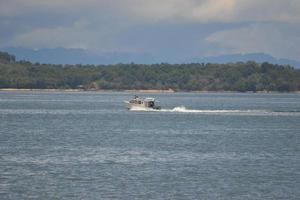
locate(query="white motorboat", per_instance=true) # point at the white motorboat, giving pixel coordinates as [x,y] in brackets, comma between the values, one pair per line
[144,103]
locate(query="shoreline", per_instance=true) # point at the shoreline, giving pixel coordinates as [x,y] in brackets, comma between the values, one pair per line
[81,90]
[139,91]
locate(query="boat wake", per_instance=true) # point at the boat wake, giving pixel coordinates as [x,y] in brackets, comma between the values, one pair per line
[182,109]
[185,110]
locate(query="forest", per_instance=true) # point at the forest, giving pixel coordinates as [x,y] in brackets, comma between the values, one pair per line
[241,76]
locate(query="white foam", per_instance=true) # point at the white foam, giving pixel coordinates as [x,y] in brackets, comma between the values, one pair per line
[183,109]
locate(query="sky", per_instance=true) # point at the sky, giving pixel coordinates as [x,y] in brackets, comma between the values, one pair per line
[160,28]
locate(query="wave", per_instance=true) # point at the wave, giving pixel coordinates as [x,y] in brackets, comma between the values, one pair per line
[134,156]
[183,109]
[53,111]
[180,109]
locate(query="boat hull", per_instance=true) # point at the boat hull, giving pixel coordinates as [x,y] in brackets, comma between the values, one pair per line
[130,106]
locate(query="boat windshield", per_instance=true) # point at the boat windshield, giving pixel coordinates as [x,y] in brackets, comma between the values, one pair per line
[151,103]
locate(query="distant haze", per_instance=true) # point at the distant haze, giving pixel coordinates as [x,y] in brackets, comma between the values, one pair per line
[80,56]
[150,30]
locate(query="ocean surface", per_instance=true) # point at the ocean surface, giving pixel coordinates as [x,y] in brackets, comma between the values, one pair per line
[86,145]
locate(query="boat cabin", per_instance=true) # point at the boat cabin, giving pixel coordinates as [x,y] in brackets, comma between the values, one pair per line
[146,102]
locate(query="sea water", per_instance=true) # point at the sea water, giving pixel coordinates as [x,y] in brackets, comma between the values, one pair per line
[87,145]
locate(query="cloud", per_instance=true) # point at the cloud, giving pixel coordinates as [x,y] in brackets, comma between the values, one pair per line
[104,25]
[15,8]
[183,10]
[78,35]
[170,10]
[217,10]
[278,39]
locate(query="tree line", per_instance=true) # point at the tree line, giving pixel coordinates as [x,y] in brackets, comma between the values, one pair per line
[240,76]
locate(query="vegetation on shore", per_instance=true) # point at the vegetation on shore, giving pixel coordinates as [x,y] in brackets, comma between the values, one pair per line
[249,76]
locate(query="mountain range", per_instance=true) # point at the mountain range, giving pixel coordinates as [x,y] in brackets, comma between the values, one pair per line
[81,56]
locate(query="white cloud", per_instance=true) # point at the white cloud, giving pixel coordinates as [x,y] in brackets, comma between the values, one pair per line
[280,40]
[78,35]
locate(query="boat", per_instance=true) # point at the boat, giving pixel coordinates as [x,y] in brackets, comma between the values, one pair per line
[142,103]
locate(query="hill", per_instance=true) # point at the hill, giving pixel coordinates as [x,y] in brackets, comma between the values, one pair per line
[76,56]
[257,57]
[81,56]
[241,76]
